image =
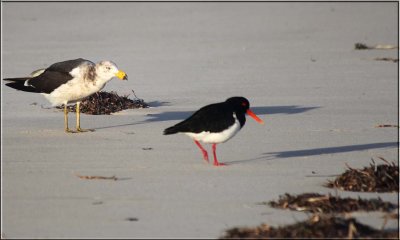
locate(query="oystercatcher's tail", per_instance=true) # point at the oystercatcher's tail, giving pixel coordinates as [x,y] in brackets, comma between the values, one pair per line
[171,130]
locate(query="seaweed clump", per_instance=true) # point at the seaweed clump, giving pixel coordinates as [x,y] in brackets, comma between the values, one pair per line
[315,227]
[105,103]
[375,178]
[317,203]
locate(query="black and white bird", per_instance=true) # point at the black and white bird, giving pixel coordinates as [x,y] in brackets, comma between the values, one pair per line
[68,82]
[215,123]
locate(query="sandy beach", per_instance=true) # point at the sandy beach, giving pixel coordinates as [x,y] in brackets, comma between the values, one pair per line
[321,101]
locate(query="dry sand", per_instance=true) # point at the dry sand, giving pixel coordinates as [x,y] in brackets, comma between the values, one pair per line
[295,62]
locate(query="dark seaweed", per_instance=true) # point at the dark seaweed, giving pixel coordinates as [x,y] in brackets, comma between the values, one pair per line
[105,103]
[317,203]
[375,178]
[315,227]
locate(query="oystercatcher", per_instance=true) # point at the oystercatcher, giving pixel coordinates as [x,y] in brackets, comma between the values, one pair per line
[69,82]
[215,123]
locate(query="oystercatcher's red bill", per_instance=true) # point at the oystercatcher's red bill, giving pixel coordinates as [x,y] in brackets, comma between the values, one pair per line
[254,116]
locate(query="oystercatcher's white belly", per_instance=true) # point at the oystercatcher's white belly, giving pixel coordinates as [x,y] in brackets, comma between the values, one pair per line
[208,137]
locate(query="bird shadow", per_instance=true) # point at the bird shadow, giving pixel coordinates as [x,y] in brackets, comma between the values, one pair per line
[319,151]
[330,150]
[158,103]
[181,115]
[291,109]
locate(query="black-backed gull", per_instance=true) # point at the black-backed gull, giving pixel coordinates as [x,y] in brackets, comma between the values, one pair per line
[69,82]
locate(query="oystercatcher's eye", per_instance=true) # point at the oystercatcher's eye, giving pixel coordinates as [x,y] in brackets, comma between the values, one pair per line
[244,104]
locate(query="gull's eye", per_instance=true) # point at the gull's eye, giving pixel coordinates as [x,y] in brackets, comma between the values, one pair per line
[108,68]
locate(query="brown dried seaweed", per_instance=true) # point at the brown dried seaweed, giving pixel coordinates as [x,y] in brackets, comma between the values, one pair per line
[389,59]
[317,203]
[386,125]
[96,177]
[315,227]
[381,178]
[363,46]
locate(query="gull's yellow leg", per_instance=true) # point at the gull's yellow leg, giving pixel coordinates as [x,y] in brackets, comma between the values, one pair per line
[78,117]
[78,120]
[66,119]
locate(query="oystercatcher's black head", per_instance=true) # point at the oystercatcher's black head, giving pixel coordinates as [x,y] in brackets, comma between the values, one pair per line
[241,106]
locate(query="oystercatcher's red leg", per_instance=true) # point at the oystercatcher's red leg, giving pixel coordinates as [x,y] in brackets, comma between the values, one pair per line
[216,163]
[205,154]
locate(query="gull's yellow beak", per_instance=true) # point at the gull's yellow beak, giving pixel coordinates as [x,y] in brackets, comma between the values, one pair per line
[121,75]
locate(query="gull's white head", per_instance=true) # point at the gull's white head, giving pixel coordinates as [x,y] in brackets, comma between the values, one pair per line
[108,70]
